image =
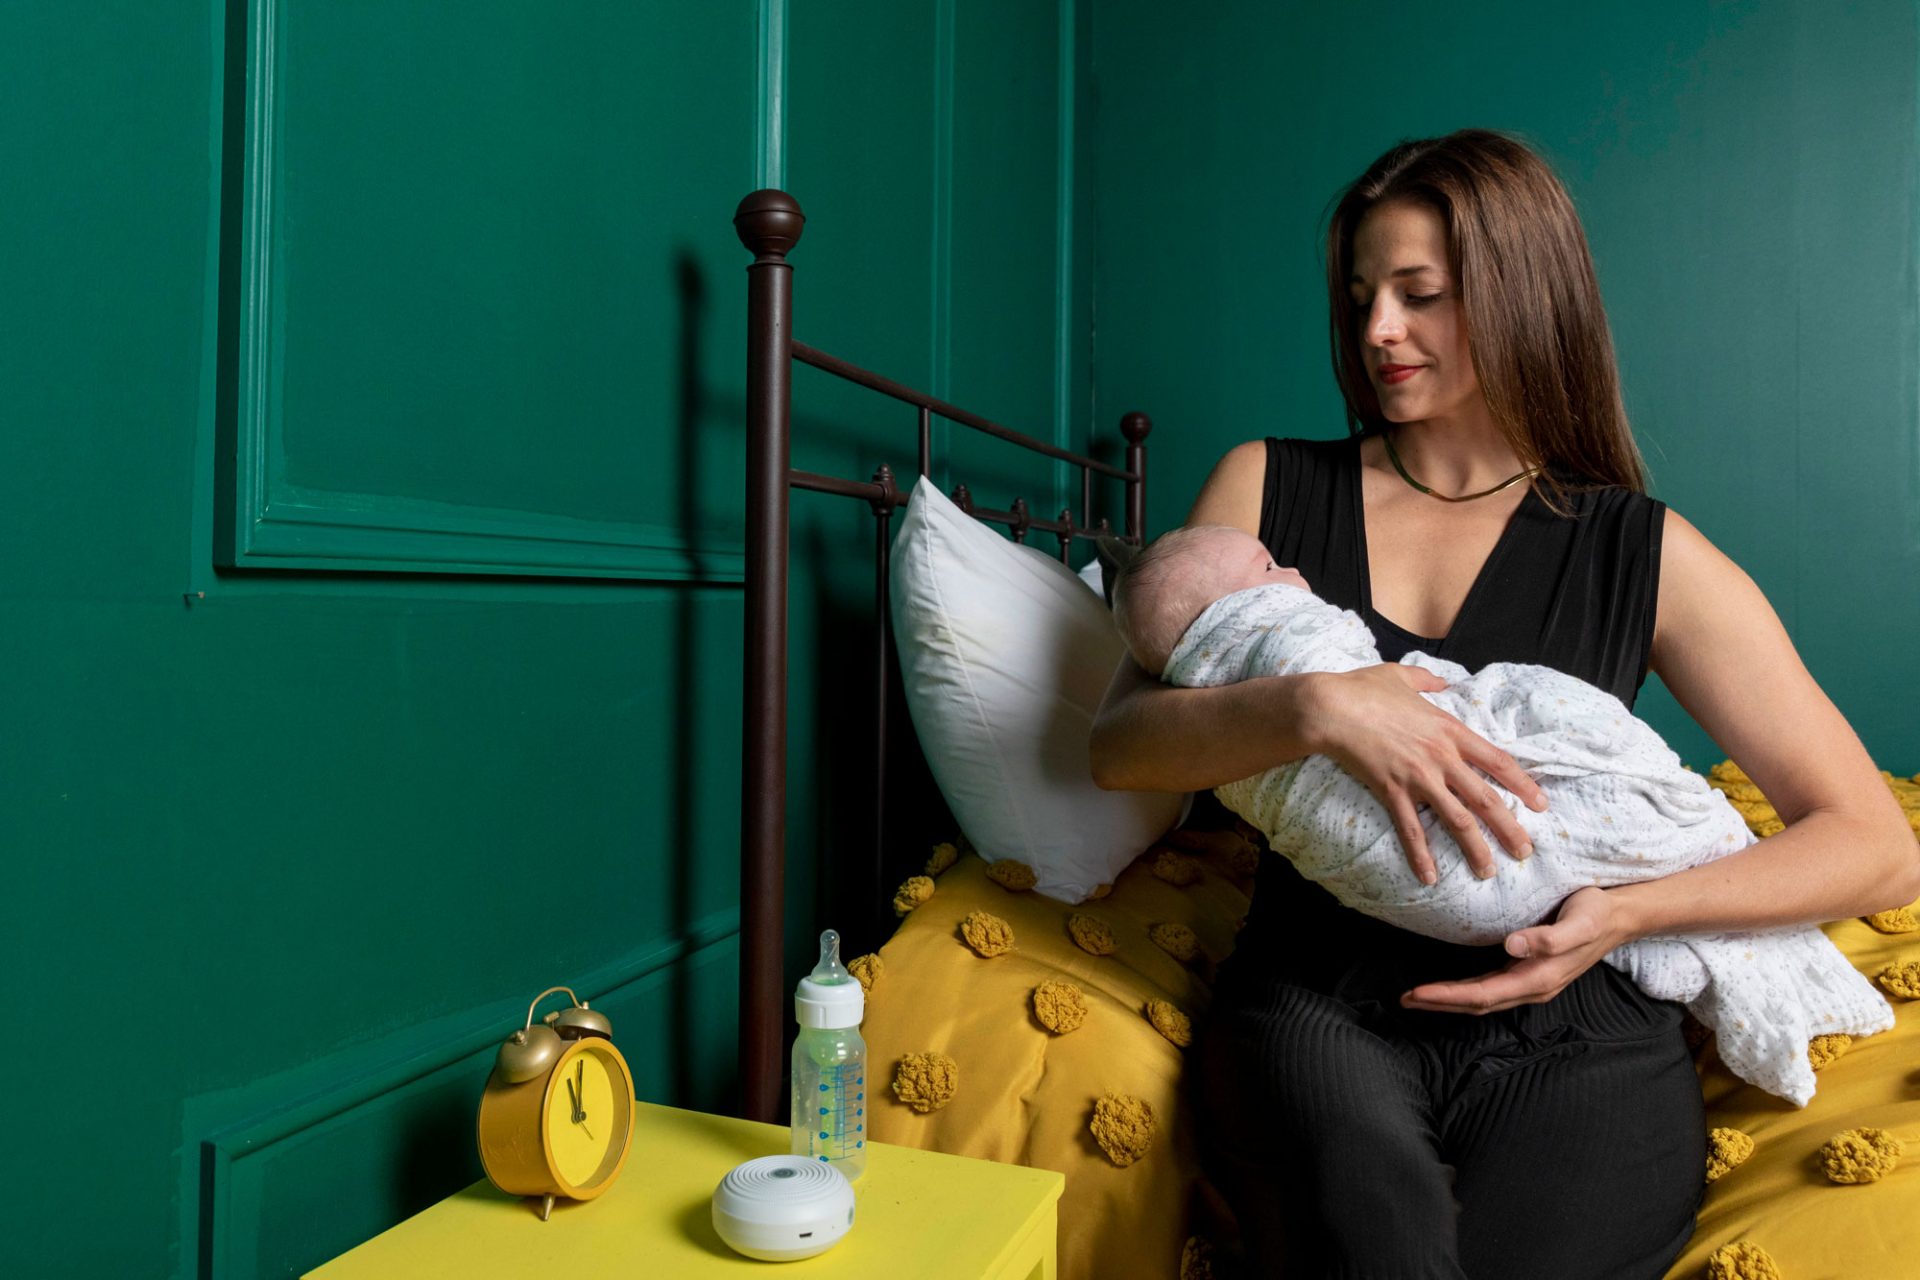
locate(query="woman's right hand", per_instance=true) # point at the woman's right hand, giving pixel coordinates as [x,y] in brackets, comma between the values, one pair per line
[1373,723]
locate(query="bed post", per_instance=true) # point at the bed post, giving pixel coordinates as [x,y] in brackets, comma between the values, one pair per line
[1135,426]
[877,900]
[768,223]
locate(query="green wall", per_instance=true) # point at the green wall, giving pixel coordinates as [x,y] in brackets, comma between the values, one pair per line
[1745,172]
[441,344]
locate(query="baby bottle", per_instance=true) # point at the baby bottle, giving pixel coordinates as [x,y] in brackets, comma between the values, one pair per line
[830,1065]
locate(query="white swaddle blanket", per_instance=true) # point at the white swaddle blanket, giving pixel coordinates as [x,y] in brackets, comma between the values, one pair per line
[1621,808]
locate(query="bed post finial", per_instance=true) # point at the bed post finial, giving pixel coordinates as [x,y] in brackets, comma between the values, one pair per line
[1136,426]
[769,222]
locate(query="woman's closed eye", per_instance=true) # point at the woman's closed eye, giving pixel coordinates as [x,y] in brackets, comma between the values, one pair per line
[1413,299]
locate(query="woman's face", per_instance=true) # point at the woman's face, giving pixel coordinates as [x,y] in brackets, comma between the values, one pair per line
[1409,314]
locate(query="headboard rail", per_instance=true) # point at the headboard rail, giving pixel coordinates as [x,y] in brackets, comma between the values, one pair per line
[953,413]
[882,492]
[769,223]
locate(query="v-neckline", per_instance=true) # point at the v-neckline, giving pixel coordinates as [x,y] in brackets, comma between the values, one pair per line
[1431,645]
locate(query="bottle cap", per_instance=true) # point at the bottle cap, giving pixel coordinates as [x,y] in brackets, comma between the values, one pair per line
[829,997]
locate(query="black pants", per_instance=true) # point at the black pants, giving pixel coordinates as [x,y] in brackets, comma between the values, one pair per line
[1355,1138]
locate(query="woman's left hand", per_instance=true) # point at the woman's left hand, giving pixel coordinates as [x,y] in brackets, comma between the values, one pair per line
[1589,923]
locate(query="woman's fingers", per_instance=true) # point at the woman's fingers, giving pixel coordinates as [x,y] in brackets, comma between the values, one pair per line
[1412,754]
[1486,802]
[1570,931]
[1413,837]
[1460,823]
[1504,769]
[1521,982]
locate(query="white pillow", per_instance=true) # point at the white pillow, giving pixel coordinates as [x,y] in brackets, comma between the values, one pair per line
[1005,656]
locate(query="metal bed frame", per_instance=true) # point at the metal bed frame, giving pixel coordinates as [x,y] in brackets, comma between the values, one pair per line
[769,223]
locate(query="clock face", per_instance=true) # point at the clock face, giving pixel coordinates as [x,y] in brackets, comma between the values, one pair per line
[589,1110]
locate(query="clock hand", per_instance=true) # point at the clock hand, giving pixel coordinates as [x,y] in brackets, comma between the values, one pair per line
[573,1096]
[580,1103]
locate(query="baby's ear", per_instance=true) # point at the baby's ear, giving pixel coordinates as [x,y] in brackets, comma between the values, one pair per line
[1115,554]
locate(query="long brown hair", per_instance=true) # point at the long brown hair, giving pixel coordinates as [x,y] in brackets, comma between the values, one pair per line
[1536,328]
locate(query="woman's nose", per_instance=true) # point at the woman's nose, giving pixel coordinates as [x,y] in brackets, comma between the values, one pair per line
[1384,324]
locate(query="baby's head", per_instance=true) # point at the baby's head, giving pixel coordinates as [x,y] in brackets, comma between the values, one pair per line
[1180,573]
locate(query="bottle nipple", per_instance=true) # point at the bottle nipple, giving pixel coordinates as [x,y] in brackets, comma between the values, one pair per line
[830,972]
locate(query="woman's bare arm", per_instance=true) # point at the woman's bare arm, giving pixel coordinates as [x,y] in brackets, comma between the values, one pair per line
[1847,849]
[1150,736]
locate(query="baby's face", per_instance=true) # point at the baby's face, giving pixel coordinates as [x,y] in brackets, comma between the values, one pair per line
[1240,561]
[1204,565]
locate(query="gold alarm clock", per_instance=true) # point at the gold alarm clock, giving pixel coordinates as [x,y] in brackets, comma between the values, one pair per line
[557,1114]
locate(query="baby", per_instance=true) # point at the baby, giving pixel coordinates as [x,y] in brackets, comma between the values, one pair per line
[1208,606]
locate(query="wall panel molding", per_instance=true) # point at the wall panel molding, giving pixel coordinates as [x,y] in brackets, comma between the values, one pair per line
[1064,348]
[270,520]
[403,1108]
[940,246]
[770,151]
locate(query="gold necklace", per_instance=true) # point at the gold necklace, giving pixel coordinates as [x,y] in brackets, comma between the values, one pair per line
[1386,438]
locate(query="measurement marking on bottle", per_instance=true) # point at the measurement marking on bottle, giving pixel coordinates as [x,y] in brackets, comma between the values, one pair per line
[836,1130]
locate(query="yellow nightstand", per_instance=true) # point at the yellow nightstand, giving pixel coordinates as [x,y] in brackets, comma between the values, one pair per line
[919,1216]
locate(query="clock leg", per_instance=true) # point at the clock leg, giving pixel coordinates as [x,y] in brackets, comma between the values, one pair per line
[546,1207]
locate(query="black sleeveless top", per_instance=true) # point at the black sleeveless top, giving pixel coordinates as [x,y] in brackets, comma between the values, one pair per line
[1576,594]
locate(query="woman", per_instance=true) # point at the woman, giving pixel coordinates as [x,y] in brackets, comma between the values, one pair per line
[1375,1103]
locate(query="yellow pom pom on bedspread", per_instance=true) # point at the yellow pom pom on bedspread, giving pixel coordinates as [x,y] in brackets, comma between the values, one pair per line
[1742,1261]
[1822,1050]
[1170,1022]
[926,1081]
[1176,869]
[913,891]
[1123,1126]
[866,970]
[1176,940]
[1060,1006]
[1900,979]
[1898,920]
[1727,1150]
[987,933]
[943,856]
[1091,934]
[1860,1155]
[1014,877]
[1196,1260]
